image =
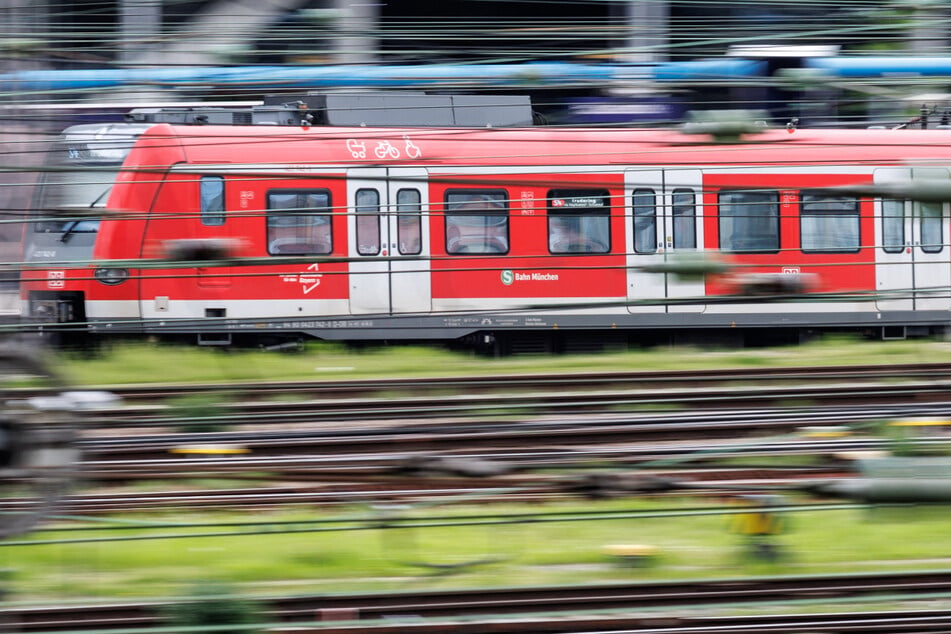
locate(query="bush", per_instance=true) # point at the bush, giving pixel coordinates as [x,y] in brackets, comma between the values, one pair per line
[199,412]
[215,605]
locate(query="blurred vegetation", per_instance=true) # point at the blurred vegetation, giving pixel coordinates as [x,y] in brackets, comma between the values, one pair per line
[153,363]
[700,543]
[214,604]
[198,412]
[324,557]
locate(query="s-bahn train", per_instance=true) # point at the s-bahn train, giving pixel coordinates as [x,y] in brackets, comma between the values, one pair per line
[362,217]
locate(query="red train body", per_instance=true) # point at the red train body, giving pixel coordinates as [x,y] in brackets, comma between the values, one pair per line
[516,234]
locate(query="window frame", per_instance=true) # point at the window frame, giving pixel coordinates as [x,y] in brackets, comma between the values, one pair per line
[828,212]
[493,196]
[212,215]
[650,217]
[901,206]
[934,221]
[774,218]
[272,213]
[404,245]
[674,217]
[566,210]
[367,248]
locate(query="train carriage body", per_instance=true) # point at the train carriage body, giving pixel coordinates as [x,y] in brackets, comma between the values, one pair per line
[363,233]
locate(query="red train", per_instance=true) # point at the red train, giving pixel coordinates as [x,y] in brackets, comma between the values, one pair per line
[480,228]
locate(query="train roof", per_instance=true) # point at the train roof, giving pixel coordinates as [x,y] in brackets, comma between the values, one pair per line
[312,145]
[416,128]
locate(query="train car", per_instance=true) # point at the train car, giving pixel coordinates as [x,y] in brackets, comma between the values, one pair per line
[417,219]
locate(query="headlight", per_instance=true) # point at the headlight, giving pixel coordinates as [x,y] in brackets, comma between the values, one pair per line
[111,276]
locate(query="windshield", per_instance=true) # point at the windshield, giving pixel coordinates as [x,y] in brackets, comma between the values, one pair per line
[82,168]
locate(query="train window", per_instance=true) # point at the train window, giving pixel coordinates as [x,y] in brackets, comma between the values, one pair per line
[579,221]
[893,225]
[212,194]
[749,220]
[684,210]
[299,222]
[409,229]
[931,241]
[477,221]
[368,221]
[828,223]
[63,194]
[644,204]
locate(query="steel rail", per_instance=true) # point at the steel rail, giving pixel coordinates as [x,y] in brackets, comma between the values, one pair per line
[603,601]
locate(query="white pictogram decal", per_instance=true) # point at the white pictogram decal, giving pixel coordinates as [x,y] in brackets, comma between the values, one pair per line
[358,149]
[386,149]
[307,281]
[411,149]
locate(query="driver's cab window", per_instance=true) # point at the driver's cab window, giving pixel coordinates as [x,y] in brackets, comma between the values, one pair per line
[579,221]
[477,221]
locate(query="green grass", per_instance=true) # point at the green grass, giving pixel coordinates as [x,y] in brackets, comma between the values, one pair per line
[149,363]
[522,553]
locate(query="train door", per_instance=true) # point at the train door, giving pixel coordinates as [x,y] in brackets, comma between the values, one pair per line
[388,237]
[664,218]
[644,229]
[911,237]
[683,213]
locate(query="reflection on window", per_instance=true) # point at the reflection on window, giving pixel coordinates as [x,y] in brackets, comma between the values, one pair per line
[409,222]
[61,195]
[299,222]
[212,193]
[644,204]
[477,221]
[893,225]
[579,221]
[685,219]
[829,223]
[931,241]
[749,220]
[368,222]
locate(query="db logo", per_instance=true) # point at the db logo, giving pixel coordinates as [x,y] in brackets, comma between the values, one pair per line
[507,277]
[56,279]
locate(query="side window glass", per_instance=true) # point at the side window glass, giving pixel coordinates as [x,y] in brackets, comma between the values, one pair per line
[477,221]
[828,223]
[893,225]
[409,222]
[212,194]
[749,221]
[368,222]
[685,219]
[299,222]
[579,221]
[931,241]
[644,204]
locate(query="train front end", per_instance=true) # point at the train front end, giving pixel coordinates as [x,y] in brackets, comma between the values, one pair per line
[71,195]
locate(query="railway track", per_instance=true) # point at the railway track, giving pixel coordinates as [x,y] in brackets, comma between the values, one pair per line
[663,606]
[342,489]
[357,414]
[525,441]
[270,403]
